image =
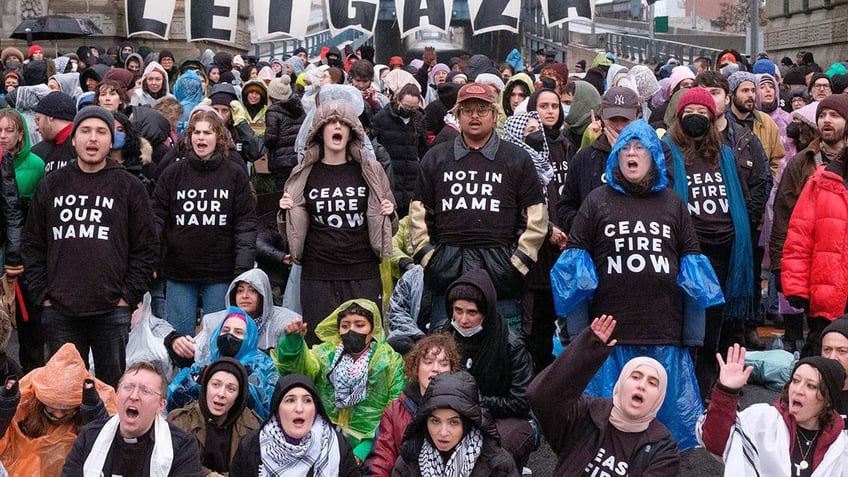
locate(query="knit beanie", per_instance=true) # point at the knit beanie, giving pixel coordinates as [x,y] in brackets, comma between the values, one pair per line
[122,76]
[678,74]
[836,102]
[238,61]
[94,112]
[58,105]
[839,325]
[34,49]
[166,54]
[699,96]
[280,88]
[815,78]
[807,114]
[832,373]
[222,98]
[838,84]
[738,78]
[764,66]
[470,293]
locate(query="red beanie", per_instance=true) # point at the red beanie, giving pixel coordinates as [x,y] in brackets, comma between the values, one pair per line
[699,96]
[33,49]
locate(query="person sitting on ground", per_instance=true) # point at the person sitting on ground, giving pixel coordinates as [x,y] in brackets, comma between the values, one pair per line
[452,434]
[357,373]
[237,336]
[42,413]
[761,439]
[298,439]
[137,441]
[219,419]
[583,431]
[432,355]
[834,340]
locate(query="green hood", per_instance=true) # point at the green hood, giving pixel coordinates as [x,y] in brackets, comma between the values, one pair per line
[29,168]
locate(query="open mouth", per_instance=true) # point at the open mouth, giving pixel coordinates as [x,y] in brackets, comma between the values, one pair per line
[336,138]
[632,164]
[795,405]
[132,412]
[91,150]
[637,398]
[298,421]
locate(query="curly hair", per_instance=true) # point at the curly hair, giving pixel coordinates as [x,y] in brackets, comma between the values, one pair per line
[431,346]
[826,416]
[221,143]
[111,85]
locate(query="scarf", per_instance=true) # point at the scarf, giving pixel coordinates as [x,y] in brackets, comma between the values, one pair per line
[617,417]
[739,287]
[462,459]
[160,460]
[350,377]
[318,450]
[514,133]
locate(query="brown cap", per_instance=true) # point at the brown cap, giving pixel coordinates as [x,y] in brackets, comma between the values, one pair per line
[479,91]
[620,101]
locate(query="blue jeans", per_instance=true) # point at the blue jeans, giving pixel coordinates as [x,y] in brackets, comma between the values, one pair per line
[181,303]
[105,335]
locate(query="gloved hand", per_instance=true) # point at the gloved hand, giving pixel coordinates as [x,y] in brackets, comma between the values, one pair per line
[89,393]
[238,111]
[11,387]
[799,302]
[778,285]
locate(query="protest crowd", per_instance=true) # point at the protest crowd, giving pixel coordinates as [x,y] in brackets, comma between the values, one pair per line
[326,266]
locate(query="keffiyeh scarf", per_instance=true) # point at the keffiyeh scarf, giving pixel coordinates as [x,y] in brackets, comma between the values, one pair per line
[318,450]
[350,377]
[461,462]
[514,133]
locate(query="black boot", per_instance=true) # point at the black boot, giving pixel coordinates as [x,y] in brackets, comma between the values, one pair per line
[752,339]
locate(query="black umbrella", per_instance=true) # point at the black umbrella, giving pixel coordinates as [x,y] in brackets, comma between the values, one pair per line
[54,27]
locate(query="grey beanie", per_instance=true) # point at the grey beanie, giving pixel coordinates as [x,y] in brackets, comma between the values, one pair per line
[95,112]
[740,77]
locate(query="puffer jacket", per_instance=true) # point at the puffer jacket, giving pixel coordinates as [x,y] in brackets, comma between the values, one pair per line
[282,123]
[814,264]
[154,127]
[381,228]
[393,424]
[12,219]
[406,144]
[257,122]
[29,168]
[455,391]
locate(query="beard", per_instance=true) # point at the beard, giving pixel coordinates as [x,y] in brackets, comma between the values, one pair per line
[741,106]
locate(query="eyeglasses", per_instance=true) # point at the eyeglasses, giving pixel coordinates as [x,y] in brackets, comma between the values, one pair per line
[129,388]
[821,86]
[480,111]
[636,147]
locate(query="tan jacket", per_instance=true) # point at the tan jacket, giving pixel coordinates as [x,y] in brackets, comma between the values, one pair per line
[295,224]
[768,133]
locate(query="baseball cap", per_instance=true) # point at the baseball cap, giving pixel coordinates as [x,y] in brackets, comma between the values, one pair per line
[479,91]
[620,101]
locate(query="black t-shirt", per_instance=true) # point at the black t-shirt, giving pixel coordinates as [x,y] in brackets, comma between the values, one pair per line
[709,205]
[613,454]
[803,452]
[337,246]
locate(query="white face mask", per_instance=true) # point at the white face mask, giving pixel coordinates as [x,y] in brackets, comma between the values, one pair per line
[469,332]
[73,67]
[565,109]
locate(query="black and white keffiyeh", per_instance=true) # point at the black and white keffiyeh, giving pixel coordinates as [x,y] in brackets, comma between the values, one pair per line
[318,450]
[514,133]
[350,377]
[461,462]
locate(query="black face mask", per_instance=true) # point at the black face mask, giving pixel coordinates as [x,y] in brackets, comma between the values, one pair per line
[354,342]
[229,345]
[536,140]
[695,125]
[404,113]
[13,64]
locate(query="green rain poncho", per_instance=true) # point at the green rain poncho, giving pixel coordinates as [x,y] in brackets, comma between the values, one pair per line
[385,375]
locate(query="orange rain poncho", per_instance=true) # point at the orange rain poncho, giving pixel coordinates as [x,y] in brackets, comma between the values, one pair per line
[58,384]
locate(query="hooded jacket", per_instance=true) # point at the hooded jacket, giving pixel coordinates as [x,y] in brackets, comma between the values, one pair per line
[456,391]
[406,143]
[575,424]
[479,64]
[196,419]
[586,100]
[510,85]
[142,96]
[496,356]
[69,84]
[613,213]
[256,119]
[96,72]
[380,228]
[189,92]
[138,57]
[114,254]
[247,143]
[206,218]
[271,322]
[248,458]
[29,168]
[262,376]
[385,375]
[283,120]
[156,129]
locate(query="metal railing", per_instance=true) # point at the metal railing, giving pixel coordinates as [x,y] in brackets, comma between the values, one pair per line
[312,43]
[644,50]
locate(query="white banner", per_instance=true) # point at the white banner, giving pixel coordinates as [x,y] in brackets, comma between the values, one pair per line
[493,15]
[412,15]
[215,20]
[279,19]
[151,17]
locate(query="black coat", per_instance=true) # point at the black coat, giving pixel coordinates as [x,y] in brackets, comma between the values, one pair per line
[186,461]
[11,212]
[406,143]
[282,123]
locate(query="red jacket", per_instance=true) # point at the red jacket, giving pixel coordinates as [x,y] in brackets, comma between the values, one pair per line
[815,254]
[393,424]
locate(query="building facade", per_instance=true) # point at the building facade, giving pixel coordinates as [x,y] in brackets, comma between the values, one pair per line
[818,26]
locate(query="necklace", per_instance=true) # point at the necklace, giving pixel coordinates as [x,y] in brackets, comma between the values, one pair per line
[803,465]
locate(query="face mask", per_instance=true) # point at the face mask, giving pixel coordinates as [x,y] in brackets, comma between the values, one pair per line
[74,67]
[467,333]
[229,345]
[403,112]
[353,342]
[536,140]
[120,140]
[13,64]
[695,125]
[566,108]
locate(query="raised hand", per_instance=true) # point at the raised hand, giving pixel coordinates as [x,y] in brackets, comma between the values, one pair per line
[733,374]
[603,327]
[296,327]
[429,56]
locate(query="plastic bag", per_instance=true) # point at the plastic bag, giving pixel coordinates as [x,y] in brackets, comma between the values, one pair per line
[772,368]
[698,279]
[291,299]
[573,279]
[144,346]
